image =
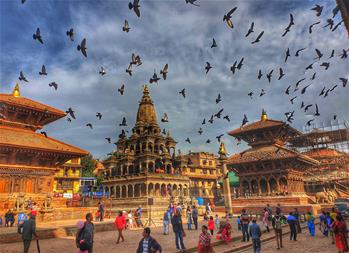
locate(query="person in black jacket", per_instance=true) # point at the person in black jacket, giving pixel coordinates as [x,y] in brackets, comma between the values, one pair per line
[177,227]
[148,243]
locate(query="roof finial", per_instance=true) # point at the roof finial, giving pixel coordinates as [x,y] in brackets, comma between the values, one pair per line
[16,93]
[145,90]
[264,115]
[222,150]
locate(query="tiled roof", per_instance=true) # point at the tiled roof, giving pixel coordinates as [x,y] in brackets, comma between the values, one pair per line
[257,125]
[28,103]
[22,138]
[266,153]
[324,153]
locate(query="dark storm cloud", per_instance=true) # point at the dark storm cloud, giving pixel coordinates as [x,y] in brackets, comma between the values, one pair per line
[180,35]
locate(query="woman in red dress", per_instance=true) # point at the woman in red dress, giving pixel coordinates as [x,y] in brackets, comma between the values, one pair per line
[205,241]
[339,229]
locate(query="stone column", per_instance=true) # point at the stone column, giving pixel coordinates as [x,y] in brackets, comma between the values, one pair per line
[226,185]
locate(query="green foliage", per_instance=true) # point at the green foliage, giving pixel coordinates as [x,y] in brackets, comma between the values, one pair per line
[88,164]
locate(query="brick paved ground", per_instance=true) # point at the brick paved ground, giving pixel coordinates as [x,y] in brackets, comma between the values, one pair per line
[105,242]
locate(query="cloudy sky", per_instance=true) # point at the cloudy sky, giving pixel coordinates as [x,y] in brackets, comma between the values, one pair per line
[179,34]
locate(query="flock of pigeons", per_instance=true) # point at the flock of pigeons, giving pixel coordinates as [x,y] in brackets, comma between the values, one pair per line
[291,90]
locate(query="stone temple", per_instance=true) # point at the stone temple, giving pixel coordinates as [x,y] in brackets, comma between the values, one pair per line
[145,165]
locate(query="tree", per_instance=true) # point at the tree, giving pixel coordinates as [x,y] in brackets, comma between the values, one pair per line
[88,164]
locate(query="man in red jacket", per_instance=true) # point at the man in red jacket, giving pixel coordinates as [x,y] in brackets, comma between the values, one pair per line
[120,224]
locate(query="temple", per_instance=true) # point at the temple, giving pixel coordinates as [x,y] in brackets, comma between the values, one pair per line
[144,165]
[268,169]
[67,179]
[328,145]
[28,159]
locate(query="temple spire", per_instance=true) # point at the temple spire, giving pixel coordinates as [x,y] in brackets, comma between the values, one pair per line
[16,93]
[222,151]
[264,115]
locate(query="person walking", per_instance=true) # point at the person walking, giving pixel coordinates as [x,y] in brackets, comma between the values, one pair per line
[339,228]
[204,245]
[292,222]
[101,210]
[148,244]
[216,221]
[255,232]
[84,237]
[28,229]
[245,220]
[194,215]
[323,224]
[277,225]
[130,220]
[189,218]
[177,227]
[208,208]
[298,223]
[265,219]
[278,209]
[120,224]
[310,224]
[210,225]
[166,221]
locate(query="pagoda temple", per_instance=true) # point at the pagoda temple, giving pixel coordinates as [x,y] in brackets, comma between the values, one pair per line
[144,165]
[268,168]
[28,159]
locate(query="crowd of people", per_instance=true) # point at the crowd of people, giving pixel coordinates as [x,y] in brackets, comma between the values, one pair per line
[331,225]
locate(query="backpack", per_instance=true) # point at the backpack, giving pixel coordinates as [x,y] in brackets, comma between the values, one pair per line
[278,223]
[83,245]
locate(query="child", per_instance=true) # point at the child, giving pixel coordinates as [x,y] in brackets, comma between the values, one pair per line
[239,223]
[210,224]
[216,221]
[98,214]
[130,221]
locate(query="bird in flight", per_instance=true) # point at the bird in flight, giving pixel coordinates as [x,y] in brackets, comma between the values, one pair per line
[102,72]
[299,50]
[182,92]
[218,99]
[192,2]
[123,123]
[135,6]
[70,34]
[37,36]
[89,125]
[108,139]
[312,25]
[165,118]
[258,38]
[244,120]
[250,30]
[121,90]
[54,85]
[227,17]
[317,9]
[208,67]
[82,47]
[188,140]
[22,77]
[214,44]
[43,71]
[164,71]
[71,112]
[129,69]
[126,27]
[155,78]
[99,115]
[287,29]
